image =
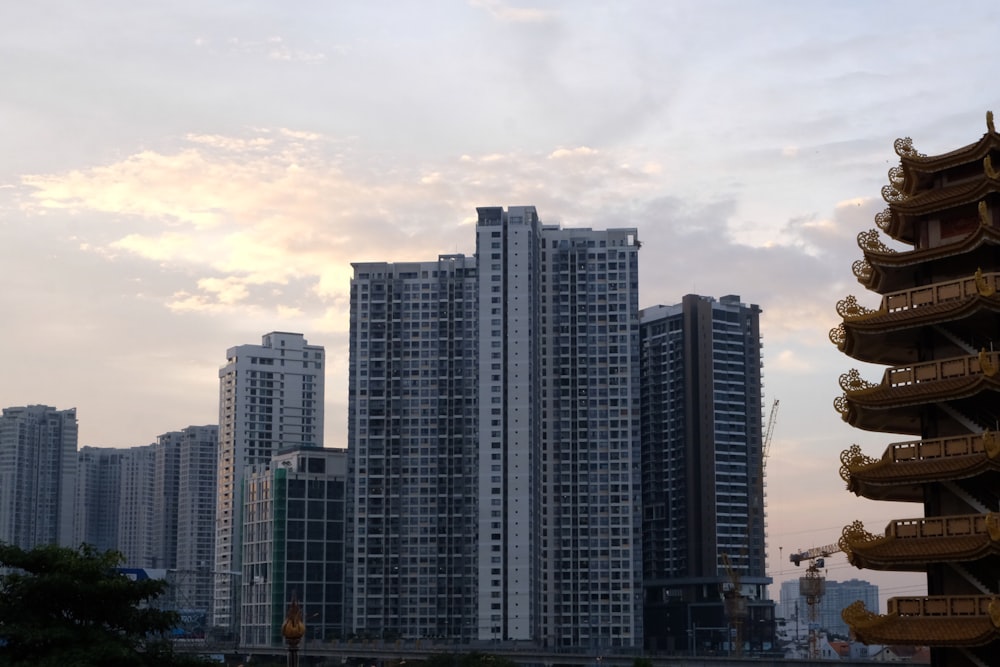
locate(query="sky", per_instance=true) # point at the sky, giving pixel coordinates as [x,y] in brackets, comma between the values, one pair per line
[179,178]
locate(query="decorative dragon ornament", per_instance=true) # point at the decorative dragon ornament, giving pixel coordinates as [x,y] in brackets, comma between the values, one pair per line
[850,309]
[985,287]
[852,460]
[986,363]
[984,215]
[862,270]
[904,148]
[852,382]
[841,405]
[856,616]
[883,218]
[991,444]
[988,168]
[869,241]
[838,335]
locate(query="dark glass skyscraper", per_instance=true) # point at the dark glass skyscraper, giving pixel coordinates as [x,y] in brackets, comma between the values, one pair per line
[703,492]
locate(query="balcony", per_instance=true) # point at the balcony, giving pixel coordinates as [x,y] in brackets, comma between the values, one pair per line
[894,404]
[912,544]
[905,466]
[980,284]
[946,620]
[889,334]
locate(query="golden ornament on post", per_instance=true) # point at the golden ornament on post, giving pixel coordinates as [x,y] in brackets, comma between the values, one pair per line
[293,629]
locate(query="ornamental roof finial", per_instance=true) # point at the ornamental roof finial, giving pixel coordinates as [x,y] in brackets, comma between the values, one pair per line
[989,122]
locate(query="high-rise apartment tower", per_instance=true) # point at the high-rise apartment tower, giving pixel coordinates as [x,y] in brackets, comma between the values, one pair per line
[494,439]
[270,397]
[412,448]
[703,524]
[559,522]
[37,475]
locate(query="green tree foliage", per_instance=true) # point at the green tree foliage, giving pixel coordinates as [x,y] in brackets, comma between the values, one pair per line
[70,607]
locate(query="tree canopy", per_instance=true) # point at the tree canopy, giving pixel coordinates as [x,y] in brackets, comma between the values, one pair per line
[62,606]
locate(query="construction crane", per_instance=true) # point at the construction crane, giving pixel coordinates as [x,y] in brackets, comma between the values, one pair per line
[812,586]
[735,606]
[766,444]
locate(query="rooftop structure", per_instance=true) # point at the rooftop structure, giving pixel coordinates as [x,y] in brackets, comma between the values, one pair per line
[934,331]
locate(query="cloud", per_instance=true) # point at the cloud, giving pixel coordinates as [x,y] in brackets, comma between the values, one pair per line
[503,12]
[268,221]
[580,151]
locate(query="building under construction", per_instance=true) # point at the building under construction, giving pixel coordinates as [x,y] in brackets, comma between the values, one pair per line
[934,332]
[704,535]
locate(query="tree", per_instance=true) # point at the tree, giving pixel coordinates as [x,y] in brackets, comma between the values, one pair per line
[62,606]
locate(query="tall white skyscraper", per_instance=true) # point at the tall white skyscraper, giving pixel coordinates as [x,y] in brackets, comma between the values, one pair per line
[559,507]
[38,467]
[270,398]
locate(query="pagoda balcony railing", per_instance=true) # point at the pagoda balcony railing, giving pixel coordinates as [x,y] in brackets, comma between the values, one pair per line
[985,284]
[922,450]
[941,605]
[982,284]
[985,363]
[945,526]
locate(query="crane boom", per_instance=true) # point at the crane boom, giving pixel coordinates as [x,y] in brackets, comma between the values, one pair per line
[766,444]
[815,552]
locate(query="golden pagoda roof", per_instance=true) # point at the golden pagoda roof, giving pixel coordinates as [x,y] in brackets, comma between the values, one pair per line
[912,544]
[897,409]
[905,466]
[928,621]
[895,404]
[883,269]
[906,207]
[914,163]
[891,337]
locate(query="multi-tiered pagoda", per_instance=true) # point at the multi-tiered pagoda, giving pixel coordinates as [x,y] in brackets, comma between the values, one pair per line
[938,332]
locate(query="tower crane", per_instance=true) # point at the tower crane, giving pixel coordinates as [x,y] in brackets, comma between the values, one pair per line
[768,432]
[813,586]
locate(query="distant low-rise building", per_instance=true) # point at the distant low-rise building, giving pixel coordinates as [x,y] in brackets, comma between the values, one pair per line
[838,595]
[294,544]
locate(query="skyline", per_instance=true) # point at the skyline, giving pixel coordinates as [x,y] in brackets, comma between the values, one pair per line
[181,180]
